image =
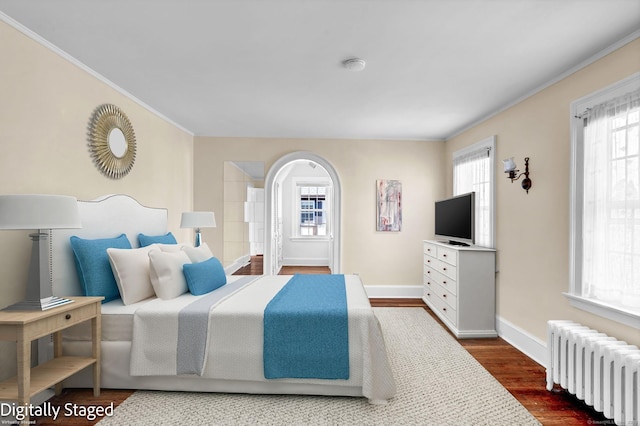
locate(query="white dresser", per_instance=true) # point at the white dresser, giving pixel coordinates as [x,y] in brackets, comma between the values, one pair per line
[459,286]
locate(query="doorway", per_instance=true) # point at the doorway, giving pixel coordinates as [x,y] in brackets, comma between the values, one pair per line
[276,219]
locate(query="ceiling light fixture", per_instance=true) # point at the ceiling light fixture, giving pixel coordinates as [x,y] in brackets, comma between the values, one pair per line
[354,64]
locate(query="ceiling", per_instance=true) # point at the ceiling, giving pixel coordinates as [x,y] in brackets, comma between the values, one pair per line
[273,68]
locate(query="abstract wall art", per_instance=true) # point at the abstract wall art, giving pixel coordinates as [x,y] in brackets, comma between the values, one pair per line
[389,208]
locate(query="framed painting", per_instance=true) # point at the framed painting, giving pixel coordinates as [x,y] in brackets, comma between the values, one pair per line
[389,208]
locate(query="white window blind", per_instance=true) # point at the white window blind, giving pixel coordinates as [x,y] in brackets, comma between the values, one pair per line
[473,171]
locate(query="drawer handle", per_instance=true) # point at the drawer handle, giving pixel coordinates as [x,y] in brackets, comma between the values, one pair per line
[444,309]
[444,255]
[444,282]
[444,295]
[68,316]
[444,269]
[429,294]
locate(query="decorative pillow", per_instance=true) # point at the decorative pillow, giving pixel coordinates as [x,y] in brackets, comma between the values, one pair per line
[198,254]
[204,277]
[171,247]
[165,269]
[147,240]
[92,263]
[131,270]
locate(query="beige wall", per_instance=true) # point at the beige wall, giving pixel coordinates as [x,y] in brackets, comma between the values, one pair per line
[381,258]
[235,229]
[45,108]
[533,229]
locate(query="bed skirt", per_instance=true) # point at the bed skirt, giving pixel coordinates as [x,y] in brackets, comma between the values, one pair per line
[115,375]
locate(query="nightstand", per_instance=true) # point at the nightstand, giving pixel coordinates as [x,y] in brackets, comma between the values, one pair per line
[24,326]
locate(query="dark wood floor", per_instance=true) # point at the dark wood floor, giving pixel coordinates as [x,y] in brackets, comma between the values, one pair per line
[521,376]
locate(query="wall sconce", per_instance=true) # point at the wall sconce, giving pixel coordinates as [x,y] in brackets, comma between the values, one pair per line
[510,167]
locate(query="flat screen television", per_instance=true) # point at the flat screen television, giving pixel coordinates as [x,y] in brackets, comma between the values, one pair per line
[455,219]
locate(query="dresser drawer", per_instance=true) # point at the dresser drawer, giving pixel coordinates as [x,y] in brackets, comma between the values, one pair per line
[430,249]
[443,308]
[450,298]
[447,255]
[447,269]
[428,281]
[429,295]
[442,280]
[430,261]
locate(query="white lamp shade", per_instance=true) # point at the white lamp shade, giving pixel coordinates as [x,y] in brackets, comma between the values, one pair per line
[36,211]
[509,164]
[198,220]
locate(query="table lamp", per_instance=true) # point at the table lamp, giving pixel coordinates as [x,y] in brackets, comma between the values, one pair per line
[39,212]
[198,220]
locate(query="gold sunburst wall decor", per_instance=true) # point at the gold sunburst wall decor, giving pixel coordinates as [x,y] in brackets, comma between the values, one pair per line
[112,141]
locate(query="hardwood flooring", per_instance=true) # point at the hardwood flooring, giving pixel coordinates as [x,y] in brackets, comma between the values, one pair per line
[524,378]
[254,267]
[520,375]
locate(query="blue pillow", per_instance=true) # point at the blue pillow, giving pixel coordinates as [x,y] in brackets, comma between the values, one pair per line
[94,269]
[204,277]
[147,240]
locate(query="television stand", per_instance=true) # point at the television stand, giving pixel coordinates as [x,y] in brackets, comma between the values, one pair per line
[459,287]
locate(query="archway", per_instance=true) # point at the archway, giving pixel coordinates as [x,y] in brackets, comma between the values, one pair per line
[271,237]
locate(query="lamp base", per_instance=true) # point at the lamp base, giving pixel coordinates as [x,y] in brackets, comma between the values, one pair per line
[38,305]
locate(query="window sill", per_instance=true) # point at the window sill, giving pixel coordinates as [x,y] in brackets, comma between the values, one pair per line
[309,239]
[626,317]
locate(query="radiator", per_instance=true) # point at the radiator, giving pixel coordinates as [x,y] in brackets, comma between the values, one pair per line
[596,368]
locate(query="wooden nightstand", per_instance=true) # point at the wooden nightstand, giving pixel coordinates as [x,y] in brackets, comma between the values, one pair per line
[24,326]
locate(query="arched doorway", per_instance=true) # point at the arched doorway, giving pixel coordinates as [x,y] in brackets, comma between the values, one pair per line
[273,234]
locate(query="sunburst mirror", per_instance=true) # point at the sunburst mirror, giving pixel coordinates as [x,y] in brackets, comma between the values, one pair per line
[112,142]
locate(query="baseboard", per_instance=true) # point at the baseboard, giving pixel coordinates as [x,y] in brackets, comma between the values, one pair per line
[522,340]
[237,264]
[309,261]
[394,291]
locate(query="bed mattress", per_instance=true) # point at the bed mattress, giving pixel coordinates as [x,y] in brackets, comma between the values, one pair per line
[117,321]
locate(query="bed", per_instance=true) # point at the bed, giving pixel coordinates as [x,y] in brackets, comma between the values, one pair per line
[143,342]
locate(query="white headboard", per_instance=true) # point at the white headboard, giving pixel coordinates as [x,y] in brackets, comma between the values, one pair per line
[105,217]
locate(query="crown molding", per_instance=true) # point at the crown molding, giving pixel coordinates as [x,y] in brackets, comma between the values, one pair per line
[601,54]
[64,55]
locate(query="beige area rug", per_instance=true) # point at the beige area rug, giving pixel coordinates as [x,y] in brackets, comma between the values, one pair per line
[438,381]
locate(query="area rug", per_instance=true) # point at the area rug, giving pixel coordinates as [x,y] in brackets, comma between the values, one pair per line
[438,381]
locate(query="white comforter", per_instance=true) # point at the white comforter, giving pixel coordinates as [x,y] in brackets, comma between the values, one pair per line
[234,346]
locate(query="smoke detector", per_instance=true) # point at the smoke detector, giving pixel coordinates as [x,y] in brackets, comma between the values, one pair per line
[354,64]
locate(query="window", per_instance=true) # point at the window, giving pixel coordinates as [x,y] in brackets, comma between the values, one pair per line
[473,171]
[605,250]
[312,211]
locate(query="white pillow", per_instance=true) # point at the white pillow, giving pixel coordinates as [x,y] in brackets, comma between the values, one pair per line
[198,254]
[131,270]
[170,247]
[166,274]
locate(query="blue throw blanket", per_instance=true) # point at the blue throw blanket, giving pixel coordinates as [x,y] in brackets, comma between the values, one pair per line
[306,330]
